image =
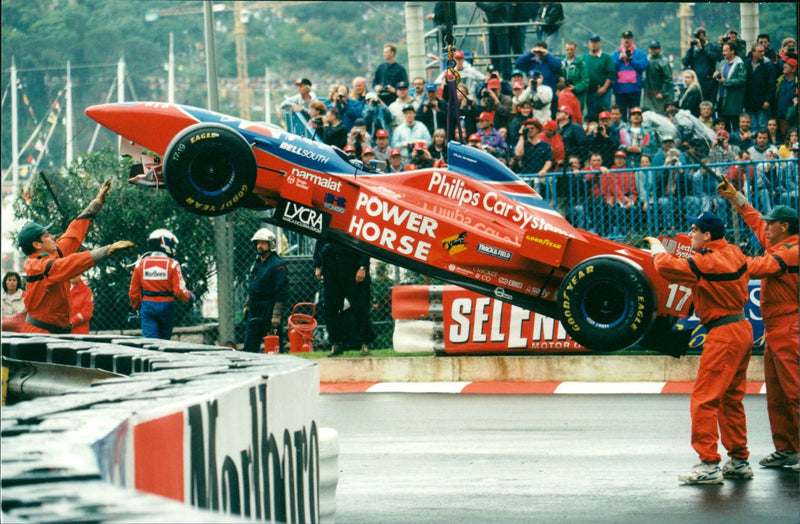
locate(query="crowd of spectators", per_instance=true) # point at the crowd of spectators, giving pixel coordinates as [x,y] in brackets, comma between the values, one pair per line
[546,116]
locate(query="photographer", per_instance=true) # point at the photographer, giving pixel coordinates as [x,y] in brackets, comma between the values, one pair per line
[376,115]
[358,137]
[732,37]
[348,110]
[702,58]
[599,140]
[411,131]
[388,75]
[721,149]
[538,59]
[535,155]
[433,111]
[420,156]
[540,95]
[493,101]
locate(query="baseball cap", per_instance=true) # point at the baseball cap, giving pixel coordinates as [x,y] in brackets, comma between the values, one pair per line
[349,147]
[382,133]
[430,86]
[485,116]
[636,110]
[490,67]
[627,34]
[655,43]
[604,114]
[724,133]
[667,138]
[360,122]
[517,72]
[367,151]
[305,81]
[550,125]
[781,214]
[402,84]
[395,152]
[532,122]
[791,61]
[409,107]
[708,221]
[458,54]
[594,37]
[620,153]
[419,146]
[565,109]
[733,31]
[371,96]
[30,233]
[474,137]
[493,83]
[517,85]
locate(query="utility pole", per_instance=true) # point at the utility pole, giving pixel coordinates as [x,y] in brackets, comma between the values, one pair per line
[685,14]
[240,34]
[748,13]
[414,37]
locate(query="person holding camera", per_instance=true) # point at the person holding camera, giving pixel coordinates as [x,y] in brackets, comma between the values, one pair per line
[333,133]
[540,95]
[411,131]
[539,59]
[630,63]
[738,45]
[731,76]
[358,137]
[534,154]
[376,116]
[388,75]
[346,108]
[495,102]
[432,113]
[702,58]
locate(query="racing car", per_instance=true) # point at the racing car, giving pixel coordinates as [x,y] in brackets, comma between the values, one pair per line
[474,223]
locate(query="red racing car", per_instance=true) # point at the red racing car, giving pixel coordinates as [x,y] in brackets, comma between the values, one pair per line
[475,223]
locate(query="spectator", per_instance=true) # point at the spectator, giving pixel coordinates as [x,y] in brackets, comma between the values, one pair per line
[731,76]
[438,145]
[657,81]
[538,59]
[540,95]
[550,135]
[692,97]
[759,87]
[81,306]
[620,195]
[471,78]
[474,140]
[769,54]
[702,58]
[367,155]
[645,183]
[376,115]
[719,298]
[572,134]
[565,97]
[536,156]
[388,75]
[492,141]
[333,93]
[549,18]
[316,110]
[774,137]
[667,145]
[13,302]
[396,107]
[602,73]
[406,134]
[344,273]
[348,110]
[738,45]
[788,190]
[722,151]
[767,185]
[497,13]
[495,102]
[334,133]
[576,194]
[673,190]
[758,151]
[617,123]
[575,76]
[629,63]
[381,148]
[635,139]
[420,157]
[786,95]
[743,136]
[442,11]
[597,219]
[350,149]
[518,88]
[157,280]
[518,12]
[491,72]
[524,112]
[468,110]
[51,263]
[433,111]
[777,232]
[599,140]
[359,94]
[418,94]
[302,100]
[395,162]
[785,150]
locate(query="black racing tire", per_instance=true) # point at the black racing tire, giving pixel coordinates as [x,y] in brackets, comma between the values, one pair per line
[209,169]
[606,303]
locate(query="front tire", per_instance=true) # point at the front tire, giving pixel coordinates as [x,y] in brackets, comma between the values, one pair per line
[209,169]
[606,303]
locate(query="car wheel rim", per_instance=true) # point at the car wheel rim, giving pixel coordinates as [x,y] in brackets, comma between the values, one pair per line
[211,173]
[604,306]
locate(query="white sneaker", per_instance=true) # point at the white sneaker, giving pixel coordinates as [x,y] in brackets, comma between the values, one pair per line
[737,469]
[795,467]
[703,473]
[778,459]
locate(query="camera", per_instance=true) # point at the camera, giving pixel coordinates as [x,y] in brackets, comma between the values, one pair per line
[725,38]
[628,53]
[601,129]
[429,105]
[693,42]
[340,96]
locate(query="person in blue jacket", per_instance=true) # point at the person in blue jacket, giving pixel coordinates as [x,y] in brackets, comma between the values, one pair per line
[539,59]
[630,63]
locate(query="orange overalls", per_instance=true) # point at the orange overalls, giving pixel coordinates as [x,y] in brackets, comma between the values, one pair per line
[47,298]
[82,307]
[718,277]
[777,269]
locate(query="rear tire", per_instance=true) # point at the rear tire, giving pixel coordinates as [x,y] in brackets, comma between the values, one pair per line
[607,303]
[209,169]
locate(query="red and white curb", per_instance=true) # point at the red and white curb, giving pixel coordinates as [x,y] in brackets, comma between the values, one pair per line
[524,388]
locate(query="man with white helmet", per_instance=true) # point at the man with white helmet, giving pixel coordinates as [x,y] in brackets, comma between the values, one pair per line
[157,280]
[267,292]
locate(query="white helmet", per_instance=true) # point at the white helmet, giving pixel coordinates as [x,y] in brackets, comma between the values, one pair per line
[266,235]
[163,240]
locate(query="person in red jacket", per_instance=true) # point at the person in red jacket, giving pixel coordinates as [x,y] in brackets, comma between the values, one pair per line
[52,263]
[777,269]
[717,275]
[157,280]
[82,306]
